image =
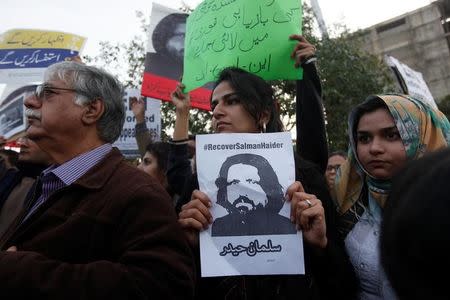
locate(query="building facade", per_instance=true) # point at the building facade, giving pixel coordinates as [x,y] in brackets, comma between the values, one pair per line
[420,39]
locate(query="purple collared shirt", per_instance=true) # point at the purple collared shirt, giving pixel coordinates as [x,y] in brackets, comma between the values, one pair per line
[56,177]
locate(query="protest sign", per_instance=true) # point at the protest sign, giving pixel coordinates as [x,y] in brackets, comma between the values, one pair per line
[246,177]
[164,58]
[252,35]
[127,140]
[26,53]
[12,118]
[411,81]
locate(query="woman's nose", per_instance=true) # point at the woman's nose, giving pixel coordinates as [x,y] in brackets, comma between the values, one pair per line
[376,146]
[218,111]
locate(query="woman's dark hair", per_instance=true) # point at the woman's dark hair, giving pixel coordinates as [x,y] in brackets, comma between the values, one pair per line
[164,31]
[256,96]
[371,104]
[160,150]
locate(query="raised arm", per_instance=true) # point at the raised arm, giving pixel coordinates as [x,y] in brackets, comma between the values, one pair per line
[179,166]
[143,137]
[311,132]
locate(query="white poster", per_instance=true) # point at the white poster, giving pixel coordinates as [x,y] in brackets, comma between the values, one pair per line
[413,80]
[127,140]
[246,177]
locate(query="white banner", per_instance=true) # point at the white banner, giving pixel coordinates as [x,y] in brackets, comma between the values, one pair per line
[246,177]
[413,81]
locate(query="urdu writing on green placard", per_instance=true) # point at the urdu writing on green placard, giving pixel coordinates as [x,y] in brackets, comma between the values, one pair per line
[249,34]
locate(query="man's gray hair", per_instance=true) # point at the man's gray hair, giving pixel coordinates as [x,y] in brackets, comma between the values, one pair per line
[92,83]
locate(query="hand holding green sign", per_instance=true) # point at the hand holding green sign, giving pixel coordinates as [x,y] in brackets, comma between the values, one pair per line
[249,34]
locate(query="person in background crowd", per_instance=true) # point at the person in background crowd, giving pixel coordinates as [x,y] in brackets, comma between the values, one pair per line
[95,227]
[151,150]
[415,232]
[17,183]
[155,162]
[385,132]
[143,134]
[10,157]
[335,160]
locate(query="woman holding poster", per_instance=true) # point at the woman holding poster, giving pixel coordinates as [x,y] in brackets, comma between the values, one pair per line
[244,103]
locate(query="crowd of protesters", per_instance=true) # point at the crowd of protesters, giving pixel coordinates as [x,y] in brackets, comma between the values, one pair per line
[79,222]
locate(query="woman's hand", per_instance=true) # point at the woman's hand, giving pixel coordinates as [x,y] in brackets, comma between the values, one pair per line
[182,104]
[195,216]
[138,109]
[302,51]
[181,100]
[308,214]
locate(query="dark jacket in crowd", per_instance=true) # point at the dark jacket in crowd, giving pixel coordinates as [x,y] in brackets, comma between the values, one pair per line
[111,235]
[15,183]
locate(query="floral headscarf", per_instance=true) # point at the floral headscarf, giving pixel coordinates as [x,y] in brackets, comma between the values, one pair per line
[422,129]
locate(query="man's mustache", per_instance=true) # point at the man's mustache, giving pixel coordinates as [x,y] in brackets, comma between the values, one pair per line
[32,114]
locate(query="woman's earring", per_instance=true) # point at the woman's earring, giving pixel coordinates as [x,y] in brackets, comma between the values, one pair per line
[264,127]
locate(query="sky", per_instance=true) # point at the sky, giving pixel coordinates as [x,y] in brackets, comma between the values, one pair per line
[116,21]
[106,20]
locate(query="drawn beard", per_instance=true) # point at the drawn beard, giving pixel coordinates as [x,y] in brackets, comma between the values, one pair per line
[243,205]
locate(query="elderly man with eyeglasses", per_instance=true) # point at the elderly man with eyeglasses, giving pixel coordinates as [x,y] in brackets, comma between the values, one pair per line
[95,227]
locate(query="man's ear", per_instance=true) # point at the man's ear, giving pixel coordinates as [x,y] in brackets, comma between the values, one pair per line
[93,111]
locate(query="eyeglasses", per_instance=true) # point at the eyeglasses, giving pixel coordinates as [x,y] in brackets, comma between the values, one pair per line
[43,90]
[333,167]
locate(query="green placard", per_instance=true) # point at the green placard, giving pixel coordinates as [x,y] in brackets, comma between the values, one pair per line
[249,34]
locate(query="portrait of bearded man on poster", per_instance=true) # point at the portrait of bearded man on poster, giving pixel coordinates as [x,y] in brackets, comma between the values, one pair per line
[248,188]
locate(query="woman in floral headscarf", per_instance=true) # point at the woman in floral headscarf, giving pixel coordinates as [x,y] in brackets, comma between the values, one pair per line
[385,132]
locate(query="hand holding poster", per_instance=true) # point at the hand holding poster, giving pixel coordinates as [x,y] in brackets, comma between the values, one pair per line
[252,35]
[246,181]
